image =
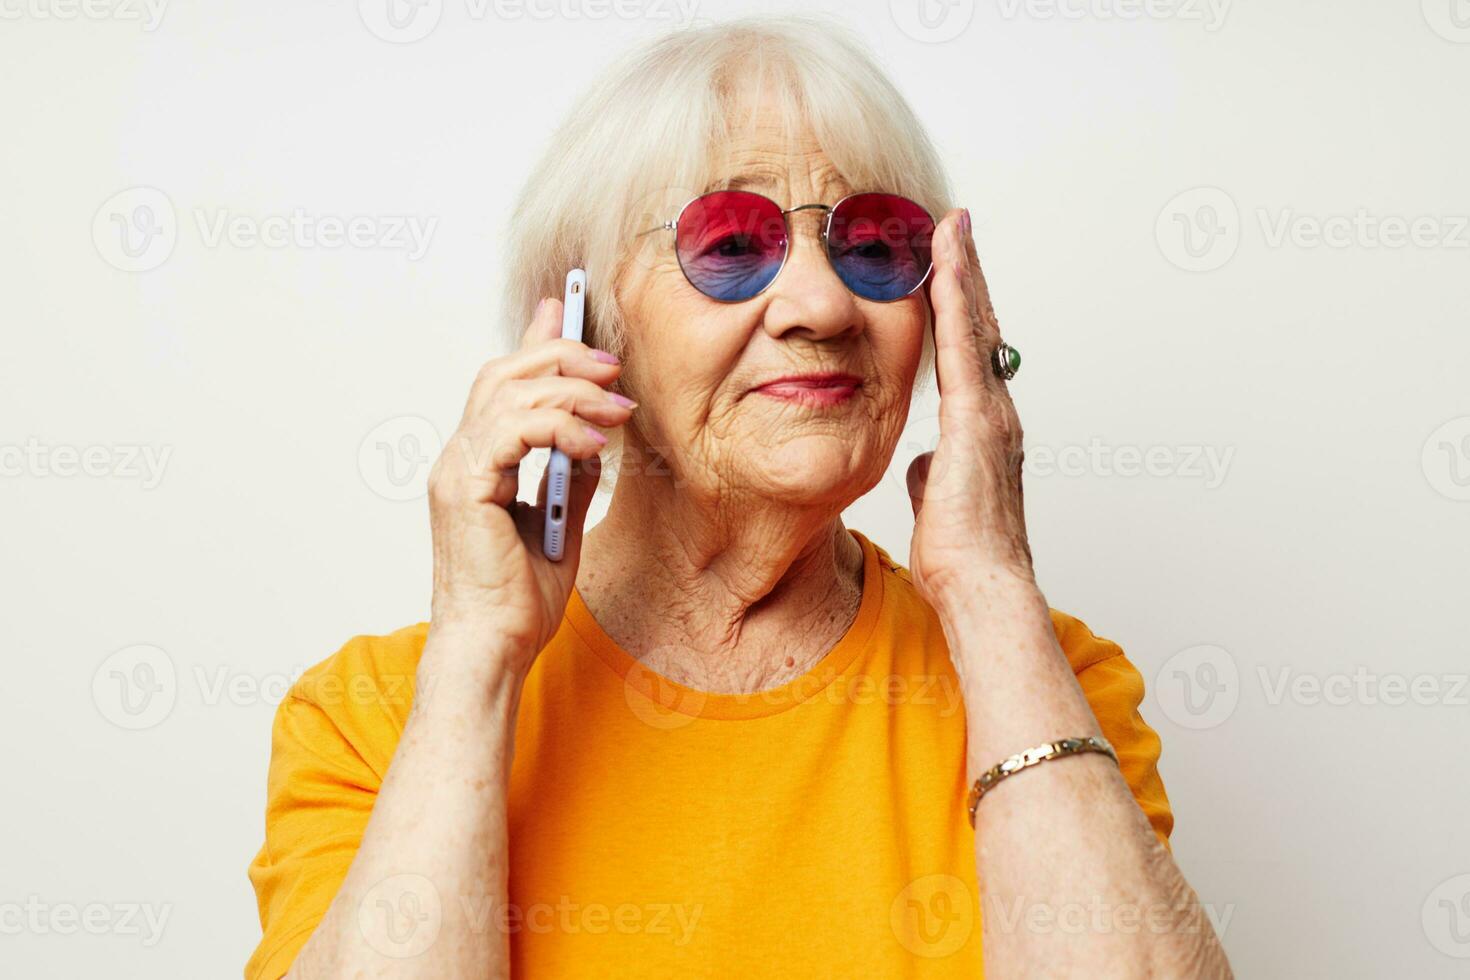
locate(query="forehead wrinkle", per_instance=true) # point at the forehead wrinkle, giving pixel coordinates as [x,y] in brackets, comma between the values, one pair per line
[767,180]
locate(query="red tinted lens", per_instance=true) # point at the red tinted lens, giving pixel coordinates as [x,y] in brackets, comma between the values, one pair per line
[731,244]
[880,245]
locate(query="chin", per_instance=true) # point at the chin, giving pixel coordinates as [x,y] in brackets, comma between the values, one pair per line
[813,469]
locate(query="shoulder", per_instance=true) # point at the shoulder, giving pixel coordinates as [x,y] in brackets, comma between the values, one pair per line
[360,695]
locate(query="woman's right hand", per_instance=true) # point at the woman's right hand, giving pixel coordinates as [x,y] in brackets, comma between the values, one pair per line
[491,581]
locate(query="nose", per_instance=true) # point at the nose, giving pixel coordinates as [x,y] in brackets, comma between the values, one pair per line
[807,299]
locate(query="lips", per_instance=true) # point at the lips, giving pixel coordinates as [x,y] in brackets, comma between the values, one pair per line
[827,388]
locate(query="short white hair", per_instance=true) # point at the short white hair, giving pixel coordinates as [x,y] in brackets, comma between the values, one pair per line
[652,133]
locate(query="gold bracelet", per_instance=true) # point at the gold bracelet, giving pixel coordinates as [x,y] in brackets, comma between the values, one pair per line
[1032,757]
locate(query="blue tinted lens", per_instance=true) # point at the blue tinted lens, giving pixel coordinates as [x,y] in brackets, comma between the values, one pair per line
[731,244]
[880,245]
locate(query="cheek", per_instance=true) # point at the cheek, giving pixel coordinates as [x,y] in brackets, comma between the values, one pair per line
[680,352]
[897,335]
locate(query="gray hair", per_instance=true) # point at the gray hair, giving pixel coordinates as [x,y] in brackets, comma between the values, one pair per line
[652,133]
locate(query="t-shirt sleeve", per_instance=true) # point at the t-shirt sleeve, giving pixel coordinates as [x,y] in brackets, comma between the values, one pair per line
[320,793]
[1114,689]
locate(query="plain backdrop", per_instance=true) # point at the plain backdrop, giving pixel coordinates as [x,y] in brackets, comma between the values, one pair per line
[1230,240]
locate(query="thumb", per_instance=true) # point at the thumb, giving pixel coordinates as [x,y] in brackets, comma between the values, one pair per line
[918,478]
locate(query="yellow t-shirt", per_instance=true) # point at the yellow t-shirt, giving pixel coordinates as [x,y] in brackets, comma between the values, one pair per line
[814,830]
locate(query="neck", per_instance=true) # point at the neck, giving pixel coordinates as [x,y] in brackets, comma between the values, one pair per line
[720,593]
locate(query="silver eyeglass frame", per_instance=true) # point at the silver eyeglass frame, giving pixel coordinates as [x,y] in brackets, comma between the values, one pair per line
[673,225]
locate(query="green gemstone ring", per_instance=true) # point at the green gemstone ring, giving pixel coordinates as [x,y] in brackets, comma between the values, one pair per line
[1006,361]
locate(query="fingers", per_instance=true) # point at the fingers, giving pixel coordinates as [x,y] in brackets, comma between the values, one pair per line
[545,323]
[961,364]
[487,456]
[557,356]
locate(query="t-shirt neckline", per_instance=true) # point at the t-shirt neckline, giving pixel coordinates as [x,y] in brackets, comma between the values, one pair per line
[647,690]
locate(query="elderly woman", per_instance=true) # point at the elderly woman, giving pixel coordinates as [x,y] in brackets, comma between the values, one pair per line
[727,736]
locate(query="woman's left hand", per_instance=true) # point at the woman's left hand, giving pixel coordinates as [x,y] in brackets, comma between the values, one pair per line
[969,519]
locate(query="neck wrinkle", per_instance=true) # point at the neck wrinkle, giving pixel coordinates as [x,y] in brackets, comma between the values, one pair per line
[666,570]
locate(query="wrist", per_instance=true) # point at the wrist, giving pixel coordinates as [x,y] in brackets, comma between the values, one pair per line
[472,663]
[984,592]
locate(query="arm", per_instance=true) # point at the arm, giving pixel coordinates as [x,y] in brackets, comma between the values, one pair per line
[1063,842]
[436,842]
[426,892]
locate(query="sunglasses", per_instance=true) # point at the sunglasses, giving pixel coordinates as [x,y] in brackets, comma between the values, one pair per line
[733,244]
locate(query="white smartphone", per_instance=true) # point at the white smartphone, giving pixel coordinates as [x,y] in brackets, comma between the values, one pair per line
[559,470]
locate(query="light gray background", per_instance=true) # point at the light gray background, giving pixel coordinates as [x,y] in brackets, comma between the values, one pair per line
[1324,546]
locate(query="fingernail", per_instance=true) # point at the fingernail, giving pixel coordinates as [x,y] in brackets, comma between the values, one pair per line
[965,222]
[539,304]
[597,437]
[603,356]
[621,400]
